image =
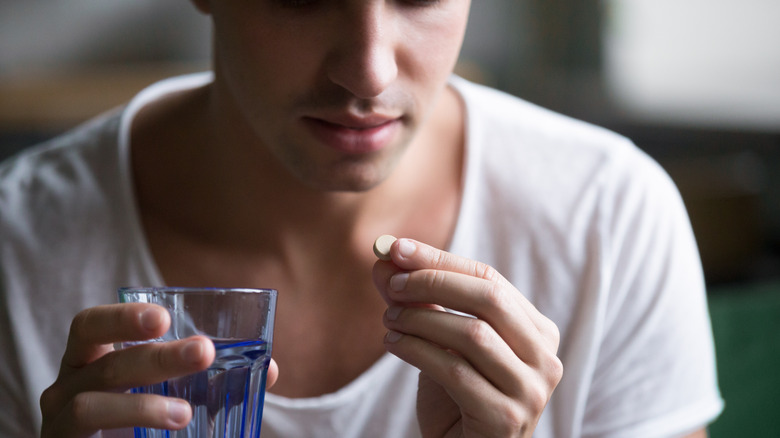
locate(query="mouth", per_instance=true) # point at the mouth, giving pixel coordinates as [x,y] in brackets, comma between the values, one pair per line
[354,135]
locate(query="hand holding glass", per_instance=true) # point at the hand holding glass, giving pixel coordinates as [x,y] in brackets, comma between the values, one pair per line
[227,398]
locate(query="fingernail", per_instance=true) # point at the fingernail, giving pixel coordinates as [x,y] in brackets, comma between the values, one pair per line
[398,281]
[393,312]
[179,412]
[151,319]
[392,336]
[406,247]
[192,352]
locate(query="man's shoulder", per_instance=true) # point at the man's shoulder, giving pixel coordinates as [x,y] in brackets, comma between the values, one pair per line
[511,119]
[79,141]
[58,174]
[547,162]
[508,132]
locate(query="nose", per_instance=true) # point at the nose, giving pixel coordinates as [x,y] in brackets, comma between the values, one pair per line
[364,58]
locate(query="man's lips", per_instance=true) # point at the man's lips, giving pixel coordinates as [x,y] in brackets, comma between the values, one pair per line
[352,134]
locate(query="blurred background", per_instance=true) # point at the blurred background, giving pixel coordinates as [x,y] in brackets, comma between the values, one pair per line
[695,83]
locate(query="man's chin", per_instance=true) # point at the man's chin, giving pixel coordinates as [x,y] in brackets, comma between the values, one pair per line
[355,179]
[349,185]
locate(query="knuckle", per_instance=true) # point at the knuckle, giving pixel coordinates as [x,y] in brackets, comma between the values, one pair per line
[109,370]
[514,419]
[433,278]
[486,272]
[141,409]
[79,325]
[515,422]
[160,357]
[81,407]
[536,397]
[479,331]
[50,398]
[552,334]
[554,368]
[438,258]
[458,372]
[493,295]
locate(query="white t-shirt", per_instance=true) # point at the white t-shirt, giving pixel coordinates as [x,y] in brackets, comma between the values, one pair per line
[583,223]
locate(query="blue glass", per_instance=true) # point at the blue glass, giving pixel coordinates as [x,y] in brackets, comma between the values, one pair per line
[227,398]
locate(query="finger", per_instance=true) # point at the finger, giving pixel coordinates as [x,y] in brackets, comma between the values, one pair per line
[92,411]
[94,329]
[411,255]
[477,398]
[473,339]
[381,272]
[140,365]
[497,305]
[273,374]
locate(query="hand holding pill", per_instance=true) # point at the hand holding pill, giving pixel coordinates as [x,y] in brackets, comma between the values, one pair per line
[490,374]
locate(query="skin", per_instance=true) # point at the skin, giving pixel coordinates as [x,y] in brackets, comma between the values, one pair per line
[486,376]
[303,216]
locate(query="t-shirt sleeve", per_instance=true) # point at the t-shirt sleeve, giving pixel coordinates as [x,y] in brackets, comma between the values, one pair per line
[655,372]
[15,419]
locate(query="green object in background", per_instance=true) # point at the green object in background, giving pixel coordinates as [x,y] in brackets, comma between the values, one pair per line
[746,327]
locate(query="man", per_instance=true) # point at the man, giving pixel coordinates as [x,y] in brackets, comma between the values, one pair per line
[325,124]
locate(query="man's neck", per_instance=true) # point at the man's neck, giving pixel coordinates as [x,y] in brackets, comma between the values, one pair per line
[212,182]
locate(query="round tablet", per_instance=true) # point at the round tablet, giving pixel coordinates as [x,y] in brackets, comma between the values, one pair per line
[382,246]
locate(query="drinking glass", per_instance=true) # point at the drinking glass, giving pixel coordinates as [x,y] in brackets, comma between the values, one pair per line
[227,398]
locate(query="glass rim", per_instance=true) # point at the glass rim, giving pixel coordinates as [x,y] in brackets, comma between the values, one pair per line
[176,290]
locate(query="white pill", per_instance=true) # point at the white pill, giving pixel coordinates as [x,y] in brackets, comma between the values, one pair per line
[382,246]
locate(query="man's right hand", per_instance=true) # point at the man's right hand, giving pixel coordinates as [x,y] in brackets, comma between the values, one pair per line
[90,391]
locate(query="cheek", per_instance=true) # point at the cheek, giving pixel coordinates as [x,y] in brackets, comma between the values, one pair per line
[433,46]
[253,53]
[260,72]
[250,43]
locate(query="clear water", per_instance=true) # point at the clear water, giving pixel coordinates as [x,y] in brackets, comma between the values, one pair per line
[227,399]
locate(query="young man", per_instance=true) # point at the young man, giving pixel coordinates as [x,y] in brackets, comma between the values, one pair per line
[325,124]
